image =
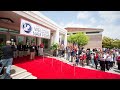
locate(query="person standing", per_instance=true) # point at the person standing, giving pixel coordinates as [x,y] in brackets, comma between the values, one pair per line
[25,49]
[15,50]
[118,61]
[68,50]
[88,57]
[41,48]
[82,58]
[20,48]
[77,60]
[96,59]
[32,51]
[7,58]
[111,59]
[92,59]
[36,48]
[107,60]
[102,61]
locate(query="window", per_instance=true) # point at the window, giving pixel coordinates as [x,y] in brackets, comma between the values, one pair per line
[32,40]
[92,32]
[13,31]
[20,39]
[74,33]
[3,30]
[28,40]
[3,38]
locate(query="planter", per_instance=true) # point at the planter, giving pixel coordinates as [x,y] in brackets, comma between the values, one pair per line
[54,48]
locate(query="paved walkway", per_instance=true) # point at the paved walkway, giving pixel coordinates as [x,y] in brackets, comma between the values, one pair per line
[114,70]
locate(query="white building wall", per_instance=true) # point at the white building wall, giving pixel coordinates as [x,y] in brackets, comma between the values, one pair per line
[56,36]
[65,40]
[39,41]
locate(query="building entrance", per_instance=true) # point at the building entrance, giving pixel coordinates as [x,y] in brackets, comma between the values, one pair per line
[3,38]
[46,43]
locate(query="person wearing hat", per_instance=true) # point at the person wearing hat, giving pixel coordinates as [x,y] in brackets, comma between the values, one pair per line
[7,58]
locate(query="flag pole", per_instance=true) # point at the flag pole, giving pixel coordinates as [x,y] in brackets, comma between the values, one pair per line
[74,70]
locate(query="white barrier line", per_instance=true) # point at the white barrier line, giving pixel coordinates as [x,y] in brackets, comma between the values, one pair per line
[52,62]
[61,66]
[43,57]
[74,70]
[51,58]
[81,66]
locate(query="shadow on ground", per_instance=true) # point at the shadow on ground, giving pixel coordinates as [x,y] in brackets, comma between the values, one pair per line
[12,71]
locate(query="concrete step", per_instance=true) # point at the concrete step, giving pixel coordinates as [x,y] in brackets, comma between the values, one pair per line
[22,75]
[16,71]
[31,77]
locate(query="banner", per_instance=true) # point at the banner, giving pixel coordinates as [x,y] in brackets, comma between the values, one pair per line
[31,29]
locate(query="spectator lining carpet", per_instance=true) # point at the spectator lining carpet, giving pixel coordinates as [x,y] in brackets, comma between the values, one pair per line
[49,68]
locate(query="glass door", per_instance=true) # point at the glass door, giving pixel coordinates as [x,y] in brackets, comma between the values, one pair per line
[3,38]
[33,40]
[13,38]
[45,42]
[20,39]
[28,40]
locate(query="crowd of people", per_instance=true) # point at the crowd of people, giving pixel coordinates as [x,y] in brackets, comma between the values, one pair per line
[105,58]
[33,50]
[11,50]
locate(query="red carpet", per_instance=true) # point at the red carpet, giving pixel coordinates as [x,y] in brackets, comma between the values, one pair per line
[44,70]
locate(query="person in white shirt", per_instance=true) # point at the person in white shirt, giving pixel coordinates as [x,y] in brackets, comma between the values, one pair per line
[92,59]
[102,60]
[107,60]
[118,61]
[111,59]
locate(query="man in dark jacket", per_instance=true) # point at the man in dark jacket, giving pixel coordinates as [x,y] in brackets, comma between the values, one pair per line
[88,57]
[7,58]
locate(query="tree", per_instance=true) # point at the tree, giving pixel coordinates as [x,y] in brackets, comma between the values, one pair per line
[108,42]
[80,38]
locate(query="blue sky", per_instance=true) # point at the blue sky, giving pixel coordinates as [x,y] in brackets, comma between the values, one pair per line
[107,20]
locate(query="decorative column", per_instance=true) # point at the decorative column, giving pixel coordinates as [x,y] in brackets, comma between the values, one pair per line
[65,39]
[51,38]
[56,36]
[38,40]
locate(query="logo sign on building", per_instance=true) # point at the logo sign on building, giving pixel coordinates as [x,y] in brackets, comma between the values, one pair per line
[31,29]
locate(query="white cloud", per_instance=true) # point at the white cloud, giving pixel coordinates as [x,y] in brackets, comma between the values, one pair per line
[82,15]
[105,20]
[109,16]
[61,24]
[72,24]
[110,31]
[93,20]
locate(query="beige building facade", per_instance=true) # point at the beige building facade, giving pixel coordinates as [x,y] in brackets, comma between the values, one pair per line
[95,36]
